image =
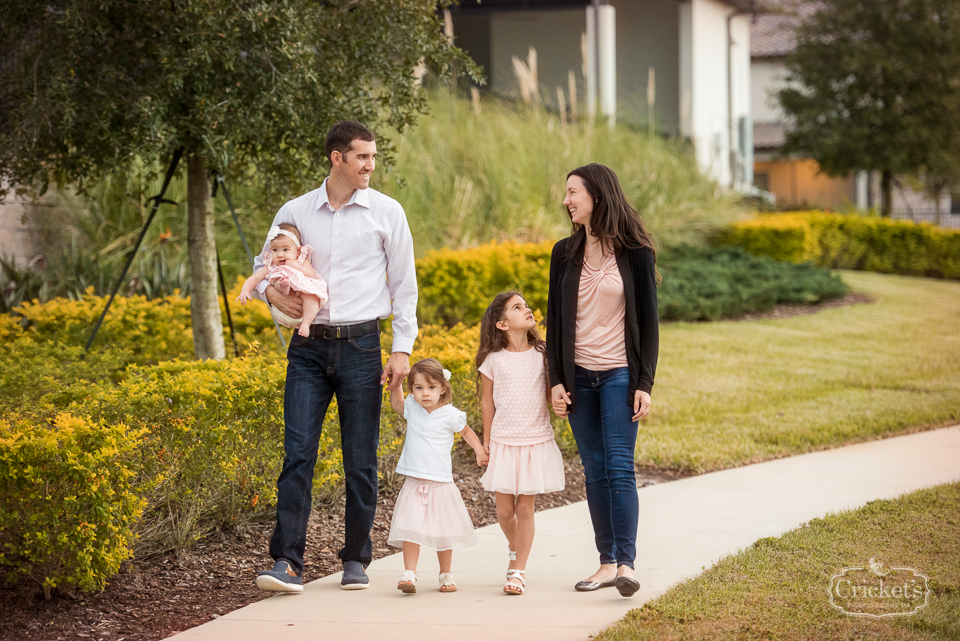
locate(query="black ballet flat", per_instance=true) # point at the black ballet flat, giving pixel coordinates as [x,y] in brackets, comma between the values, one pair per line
[590,586]
[627,586]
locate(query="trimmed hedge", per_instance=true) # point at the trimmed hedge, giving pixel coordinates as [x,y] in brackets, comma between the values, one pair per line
[457,285]
[698,283]
[843,241]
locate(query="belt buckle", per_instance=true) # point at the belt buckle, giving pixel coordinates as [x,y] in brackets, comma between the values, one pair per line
[338,331]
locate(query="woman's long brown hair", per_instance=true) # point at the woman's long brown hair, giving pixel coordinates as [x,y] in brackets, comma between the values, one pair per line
[493,339]
[614,222]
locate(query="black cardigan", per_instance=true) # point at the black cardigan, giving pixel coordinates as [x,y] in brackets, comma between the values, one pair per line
[642,332]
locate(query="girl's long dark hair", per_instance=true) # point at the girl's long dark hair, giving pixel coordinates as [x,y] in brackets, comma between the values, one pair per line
[493,339]
[614,222]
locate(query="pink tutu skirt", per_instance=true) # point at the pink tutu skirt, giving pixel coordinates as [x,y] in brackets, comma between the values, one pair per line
[432,514]
[524,469]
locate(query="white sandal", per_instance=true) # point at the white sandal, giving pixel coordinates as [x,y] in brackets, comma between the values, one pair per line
[512,588]
[447,584]
[408,582]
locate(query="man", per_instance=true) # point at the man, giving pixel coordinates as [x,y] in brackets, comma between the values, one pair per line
[364,250]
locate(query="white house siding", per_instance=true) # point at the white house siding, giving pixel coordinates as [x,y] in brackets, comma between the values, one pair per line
[710,112]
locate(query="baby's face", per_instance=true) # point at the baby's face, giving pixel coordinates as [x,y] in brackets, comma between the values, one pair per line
[283,249]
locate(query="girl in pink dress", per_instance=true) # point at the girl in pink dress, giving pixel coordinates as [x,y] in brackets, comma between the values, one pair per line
[524,457]
[429,509]
[286,264]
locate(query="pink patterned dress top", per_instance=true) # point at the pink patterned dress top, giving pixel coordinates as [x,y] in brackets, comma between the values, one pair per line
[519,394]
[287,278]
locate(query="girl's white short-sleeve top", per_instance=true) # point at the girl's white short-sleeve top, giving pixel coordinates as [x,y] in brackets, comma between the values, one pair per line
[426,449]
[520,397]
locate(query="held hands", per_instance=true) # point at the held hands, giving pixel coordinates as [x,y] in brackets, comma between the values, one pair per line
[396,369]
[483,456]
[559,399]
[641,405]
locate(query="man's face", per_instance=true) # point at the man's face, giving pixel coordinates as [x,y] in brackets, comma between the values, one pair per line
[356,166]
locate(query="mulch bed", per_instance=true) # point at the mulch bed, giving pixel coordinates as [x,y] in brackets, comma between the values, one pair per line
[156,597]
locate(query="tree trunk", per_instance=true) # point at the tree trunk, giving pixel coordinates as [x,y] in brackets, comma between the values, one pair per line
[202,252]
[886,206]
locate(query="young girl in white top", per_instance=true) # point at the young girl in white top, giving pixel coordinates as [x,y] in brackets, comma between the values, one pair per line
[286,264]
[524,457]
[429,509]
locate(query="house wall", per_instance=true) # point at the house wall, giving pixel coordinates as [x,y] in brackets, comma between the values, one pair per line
[555,34]
[648,35]
[799,183]
[710,120]
[21,235]
[766,77]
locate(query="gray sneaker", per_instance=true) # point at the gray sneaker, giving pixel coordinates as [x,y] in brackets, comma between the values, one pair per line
[354,578]
[282,578]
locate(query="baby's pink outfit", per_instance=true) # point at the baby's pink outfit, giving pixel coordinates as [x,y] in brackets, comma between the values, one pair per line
[287,278]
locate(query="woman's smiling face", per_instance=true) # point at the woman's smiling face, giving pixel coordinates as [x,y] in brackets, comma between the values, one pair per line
[579,202]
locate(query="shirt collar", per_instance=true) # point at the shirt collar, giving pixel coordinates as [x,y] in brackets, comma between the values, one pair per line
[360,197]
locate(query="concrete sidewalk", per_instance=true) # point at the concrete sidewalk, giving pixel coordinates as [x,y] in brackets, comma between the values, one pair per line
[685,526]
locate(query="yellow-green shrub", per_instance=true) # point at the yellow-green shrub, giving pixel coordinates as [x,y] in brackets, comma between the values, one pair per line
[66,500]
[457,285]
[212,442]
[851,242]
[150,330]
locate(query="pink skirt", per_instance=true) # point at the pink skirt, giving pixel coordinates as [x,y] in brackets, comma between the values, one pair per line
[524,469]
[431,513]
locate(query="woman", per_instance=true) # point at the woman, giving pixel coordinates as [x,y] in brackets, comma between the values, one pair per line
[602,341]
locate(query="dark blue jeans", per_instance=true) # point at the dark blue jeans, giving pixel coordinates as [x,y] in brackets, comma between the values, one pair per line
[316,370]
[607,438]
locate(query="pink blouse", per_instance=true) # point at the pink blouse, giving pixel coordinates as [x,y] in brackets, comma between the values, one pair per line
[601,308]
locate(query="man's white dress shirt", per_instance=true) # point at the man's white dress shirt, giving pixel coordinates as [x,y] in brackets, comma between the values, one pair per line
[364,251]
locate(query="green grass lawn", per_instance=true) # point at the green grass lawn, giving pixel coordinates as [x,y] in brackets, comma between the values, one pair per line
[732,393]
[778,588]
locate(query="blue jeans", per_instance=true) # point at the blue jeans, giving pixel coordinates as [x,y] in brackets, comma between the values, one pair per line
[316,370]
[607,438]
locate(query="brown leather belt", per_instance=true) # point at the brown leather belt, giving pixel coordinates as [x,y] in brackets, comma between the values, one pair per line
[333,332]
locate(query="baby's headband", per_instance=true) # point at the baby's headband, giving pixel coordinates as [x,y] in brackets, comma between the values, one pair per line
[276,231]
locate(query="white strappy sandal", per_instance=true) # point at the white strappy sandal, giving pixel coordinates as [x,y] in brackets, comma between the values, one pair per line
[408,582]
[512,588]
[447,584]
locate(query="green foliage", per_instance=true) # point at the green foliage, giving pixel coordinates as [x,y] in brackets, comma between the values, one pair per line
[457,286]
[240,85]
[875,88]
[851,242]
[466,179]
[67,503]
[698,283]
[723,283]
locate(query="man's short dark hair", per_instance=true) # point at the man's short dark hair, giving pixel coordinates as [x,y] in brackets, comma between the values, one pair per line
[341,136]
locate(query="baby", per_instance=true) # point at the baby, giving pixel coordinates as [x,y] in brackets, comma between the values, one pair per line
[287,266]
